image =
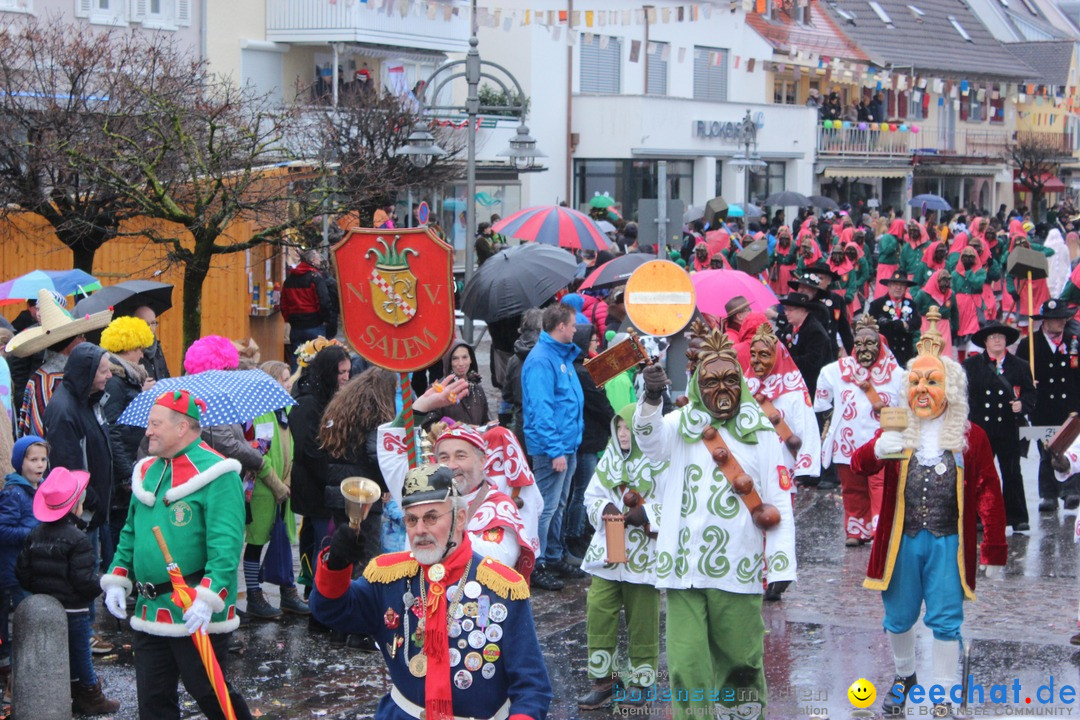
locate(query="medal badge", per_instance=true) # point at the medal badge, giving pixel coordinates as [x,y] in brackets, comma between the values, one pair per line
[436,573]
[392,619]
[418,665]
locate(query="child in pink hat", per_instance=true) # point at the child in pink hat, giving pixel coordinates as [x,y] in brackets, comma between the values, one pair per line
[58,560]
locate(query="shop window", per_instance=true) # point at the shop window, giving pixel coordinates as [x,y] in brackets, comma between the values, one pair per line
[631,180]
[770,180]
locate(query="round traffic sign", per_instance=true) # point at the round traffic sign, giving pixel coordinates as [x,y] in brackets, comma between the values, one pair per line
[660,298]
[423,212]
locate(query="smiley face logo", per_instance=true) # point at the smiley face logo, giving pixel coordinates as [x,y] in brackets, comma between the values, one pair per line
[861,693]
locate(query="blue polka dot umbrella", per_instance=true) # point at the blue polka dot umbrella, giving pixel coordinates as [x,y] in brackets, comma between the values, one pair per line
[231,396]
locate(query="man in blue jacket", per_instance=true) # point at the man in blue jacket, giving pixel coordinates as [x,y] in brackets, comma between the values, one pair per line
[553,406]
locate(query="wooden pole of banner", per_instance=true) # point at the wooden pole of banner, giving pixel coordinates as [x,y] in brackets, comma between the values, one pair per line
[1031,340]
[406,404]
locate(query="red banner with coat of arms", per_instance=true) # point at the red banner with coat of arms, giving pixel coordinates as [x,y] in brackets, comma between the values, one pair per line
[397,296]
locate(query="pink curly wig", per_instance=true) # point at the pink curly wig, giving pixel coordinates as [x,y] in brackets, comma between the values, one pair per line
[212,352]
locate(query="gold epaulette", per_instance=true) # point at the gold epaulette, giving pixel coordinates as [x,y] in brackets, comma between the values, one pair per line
[390,567]
[502,580]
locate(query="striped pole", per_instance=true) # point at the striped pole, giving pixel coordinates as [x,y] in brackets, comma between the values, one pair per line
[406,405]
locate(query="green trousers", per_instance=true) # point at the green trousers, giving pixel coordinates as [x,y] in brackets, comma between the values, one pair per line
[715,648]
[642,606]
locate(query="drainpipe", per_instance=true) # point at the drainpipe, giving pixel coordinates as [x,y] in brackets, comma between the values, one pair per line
[569,104]
[645,50]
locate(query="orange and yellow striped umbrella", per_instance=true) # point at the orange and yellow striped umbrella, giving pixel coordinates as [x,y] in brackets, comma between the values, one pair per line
[183,595]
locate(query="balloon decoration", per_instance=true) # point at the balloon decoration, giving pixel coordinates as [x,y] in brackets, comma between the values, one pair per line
[847,124]
[904,128]
[915,129]
[863,126]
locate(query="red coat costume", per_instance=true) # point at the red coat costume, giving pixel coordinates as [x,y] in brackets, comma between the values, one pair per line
[981,494]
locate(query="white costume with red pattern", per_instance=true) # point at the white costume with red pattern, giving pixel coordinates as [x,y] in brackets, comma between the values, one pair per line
[786,389]
[496,516]
[854,421]
[853,424]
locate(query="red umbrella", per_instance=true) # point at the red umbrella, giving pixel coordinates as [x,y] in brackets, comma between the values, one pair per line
[553,225]
[715,287]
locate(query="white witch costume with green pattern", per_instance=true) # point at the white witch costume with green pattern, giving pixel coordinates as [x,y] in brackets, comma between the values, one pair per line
[629,586]
[710,555]
[707,538]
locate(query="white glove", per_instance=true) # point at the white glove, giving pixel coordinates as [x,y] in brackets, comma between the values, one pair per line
[116,602]
[889,442]
[995,572]
[197,617]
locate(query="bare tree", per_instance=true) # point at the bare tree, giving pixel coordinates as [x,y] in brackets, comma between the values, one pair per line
[1036,155]
[201,154]
[361,139]
[60,83]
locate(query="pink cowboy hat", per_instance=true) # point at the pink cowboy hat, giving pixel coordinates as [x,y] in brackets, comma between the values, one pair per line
[59,492]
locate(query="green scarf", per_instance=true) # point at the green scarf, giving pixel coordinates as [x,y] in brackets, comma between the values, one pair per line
[744,425]
[632,468]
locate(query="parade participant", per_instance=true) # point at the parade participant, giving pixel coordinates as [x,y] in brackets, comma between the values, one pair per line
[712,552]
[777,384]
[925,544]
[888,259]
[853,249]
[828,307]
[842,270]
[855,389]
[197,499]
[809,252]
[1000,396]
[809,344]
[410,602]
[911,251]
[1015,299]
[622,486]
[494,525]
[1057,386]
[937,292]
[735,311]
[784,258]
[897,316]
[968,279]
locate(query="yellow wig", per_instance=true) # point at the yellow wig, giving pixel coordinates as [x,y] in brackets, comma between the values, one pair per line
[126,333]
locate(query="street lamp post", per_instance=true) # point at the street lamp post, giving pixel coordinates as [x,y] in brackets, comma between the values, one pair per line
[422,147]
[750,160]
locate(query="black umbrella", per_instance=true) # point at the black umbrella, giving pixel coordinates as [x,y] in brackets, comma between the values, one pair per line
[820,201]
[788,198]
[127,297]
[617,271]
[517,279]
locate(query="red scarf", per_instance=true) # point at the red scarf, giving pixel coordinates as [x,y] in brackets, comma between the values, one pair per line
[928,255]
[438,697]
[931,288]
[784,377]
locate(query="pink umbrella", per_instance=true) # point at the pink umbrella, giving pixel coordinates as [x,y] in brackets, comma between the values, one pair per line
[715,287]
[553,225]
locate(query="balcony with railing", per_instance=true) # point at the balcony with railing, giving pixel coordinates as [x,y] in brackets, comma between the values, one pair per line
[438,26]
[930,141]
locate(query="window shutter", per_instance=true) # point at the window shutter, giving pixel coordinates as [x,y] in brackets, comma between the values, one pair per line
[139,9]
[82,8]
[183,12]
[658,71]
[710,78]
[902,105]
[600,67]
[890,98]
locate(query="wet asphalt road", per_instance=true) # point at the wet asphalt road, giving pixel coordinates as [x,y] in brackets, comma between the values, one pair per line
[825,634]
[822,636]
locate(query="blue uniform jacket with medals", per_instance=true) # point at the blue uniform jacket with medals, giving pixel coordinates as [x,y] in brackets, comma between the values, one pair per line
[495,656]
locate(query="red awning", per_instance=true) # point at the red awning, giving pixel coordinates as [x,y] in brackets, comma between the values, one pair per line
[1050,183]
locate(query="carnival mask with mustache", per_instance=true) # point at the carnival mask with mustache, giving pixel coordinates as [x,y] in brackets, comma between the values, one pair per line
[867,347]
[720,384]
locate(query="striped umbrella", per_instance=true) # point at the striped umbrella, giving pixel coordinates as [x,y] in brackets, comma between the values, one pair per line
[65,282]
[552,225]
[183,595]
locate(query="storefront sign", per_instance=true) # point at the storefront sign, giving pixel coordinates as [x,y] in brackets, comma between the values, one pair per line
[725,131]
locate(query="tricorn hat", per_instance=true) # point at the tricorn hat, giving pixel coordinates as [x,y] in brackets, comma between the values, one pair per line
[56,324]
[428,483]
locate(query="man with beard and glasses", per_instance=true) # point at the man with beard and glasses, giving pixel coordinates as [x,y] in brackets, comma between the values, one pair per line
[855,389]
[455,628]
[925,547]
[494,524]
[714,544]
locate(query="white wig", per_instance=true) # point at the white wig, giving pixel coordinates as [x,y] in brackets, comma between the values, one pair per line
[954,428]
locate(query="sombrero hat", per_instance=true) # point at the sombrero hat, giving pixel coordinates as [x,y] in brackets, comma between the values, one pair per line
[56,324]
